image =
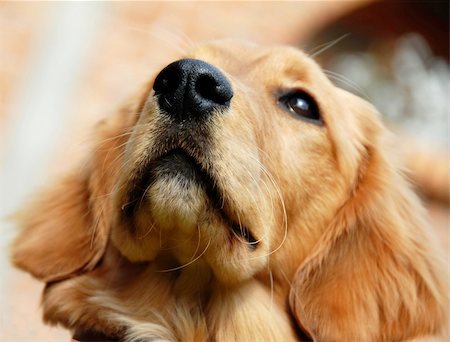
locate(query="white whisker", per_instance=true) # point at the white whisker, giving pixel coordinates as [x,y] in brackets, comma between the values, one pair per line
[190,262]
[323,47]
[345,80]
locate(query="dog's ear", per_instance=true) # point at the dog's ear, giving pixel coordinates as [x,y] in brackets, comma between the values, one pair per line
[372,275]
[62,233]
[65,230]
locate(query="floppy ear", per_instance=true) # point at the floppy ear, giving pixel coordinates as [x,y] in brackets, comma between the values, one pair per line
[66,229]
[373,275]
[61,234]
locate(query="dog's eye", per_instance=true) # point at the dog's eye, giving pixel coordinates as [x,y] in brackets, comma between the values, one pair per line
[303,105]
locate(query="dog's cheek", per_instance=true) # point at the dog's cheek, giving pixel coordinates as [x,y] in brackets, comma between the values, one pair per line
[231,260]
[135,247]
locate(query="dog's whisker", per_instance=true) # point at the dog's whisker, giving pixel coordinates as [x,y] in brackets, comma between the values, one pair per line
[348,82]
[122,145]
[266,231]
[168,103]
[266,185]
[265,171]
[257,205]
[104,172]
[178,40]
[271,286]
[293,290]
[165,36]
[284,222]
[146,233]
[147,188]
[95,226]
[188,263]
[127,133]
[324,47]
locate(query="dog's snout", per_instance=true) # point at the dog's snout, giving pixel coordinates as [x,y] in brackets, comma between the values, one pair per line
[192,88]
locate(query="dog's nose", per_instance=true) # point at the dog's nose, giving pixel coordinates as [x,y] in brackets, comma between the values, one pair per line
[191,88]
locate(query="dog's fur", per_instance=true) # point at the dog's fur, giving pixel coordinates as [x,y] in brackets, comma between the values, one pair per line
[343,252]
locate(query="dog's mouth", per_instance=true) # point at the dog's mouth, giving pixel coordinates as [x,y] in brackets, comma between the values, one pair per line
[185,170]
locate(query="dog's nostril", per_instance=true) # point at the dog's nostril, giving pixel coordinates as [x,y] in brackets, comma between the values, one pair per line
[167,82]
[213,89]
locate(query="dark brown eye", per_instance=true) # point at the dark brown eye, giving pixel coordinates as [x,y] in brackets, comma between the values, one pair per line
[301,104]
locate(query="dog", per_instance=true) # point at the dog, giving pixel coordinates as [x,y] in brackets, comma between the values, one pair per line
[240,196]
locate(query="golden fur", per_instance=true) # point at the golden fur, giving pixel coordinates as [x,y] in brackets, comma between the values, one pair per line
[343,252]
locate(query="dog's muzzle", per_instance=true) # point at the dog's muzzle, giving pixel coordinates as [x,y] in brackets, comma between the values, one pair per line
[192,89]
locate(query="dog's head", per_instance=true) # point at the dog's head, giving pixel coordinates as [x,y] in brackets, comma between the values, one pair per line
[246,159]
[235,151]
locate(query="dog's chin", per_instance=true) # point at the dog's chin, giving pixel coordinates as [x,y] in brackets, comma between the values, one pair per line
[176,197]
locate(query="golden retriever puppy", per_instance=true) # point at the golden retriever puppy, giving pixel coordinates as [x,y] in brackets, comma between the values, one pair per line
[240,197]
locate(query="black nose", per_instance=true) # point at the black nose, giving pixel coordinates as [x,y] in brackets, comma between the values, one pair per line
[190,88]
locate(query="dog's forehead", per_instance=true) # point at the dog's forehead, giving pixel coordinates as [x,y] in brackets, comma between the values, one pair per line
[237,58]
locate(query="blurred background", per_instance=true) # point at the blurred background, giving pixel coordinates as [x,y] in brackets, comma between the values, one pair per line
[64,66]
